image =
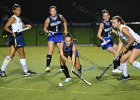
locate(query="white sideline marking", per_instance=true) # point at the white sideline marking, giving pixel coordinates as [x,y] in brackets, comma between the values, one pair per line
[40,90]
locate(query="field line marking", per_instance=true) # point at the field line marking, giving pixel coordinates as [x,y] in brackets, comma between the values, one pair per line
[41,90]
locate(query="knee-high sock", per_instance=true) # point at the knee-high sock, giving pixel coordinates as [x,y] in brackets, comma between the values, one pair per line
[124,69]
[65,71]
[136,64]
[48,60]
[5,63]
[23,64]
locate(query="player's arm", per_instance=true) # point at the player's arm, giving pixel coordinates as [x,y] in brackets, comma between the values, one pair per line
[8,24]
[130,38]
[25,26]
[73,56]
[101,26]
[65,24]
[114,31]
[62,53]
[46,24]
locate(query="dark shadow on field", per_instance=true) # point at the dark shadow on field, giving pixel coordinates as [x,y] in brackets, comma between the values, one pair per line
[4,82]
[135,78]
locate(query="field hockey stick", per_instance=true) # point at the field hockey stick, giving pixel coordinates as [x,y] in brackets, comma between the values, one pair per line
[81,78]
[24,29]
[109,40]
[104,71]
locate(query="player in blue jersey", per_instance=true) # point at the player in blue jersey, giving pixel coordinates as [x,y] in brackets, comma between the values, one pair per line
[104,34]
[16,41]
[68,49]
[53,28]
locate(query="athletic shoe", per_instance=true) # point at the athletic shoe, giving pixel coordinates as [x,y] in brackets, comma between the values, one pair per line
[116,71]
[3,74]
[48,69]
[29,73]
[61,70]
[124,78]
[67,79]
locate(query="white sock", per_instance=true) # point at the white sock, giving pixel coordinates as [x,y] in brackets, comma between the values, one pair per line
[124,69]
[23,64]
[136,64]
[5,63]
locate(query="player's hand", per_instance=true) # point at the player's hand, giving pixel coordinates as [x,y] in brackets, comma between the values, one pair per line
[13,34]
[29,26]
[66,32]
[46,32]
[104,42]
[72,69]
[69,61]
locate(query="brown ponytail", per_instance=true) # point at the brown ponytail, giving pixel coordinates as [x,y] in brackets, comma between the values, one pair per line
[119,19]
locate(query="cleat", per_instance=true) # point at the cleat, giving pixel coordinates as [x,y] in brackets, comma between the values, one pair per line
[3,74]
[29,73]
[67,79]
[48,69]
[124,78]
[116,71]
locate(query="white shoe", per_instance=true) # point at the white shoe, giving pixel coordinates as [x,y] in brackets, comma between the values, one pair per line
[119,68]
[61,70]
[48,69]
[116,71]
[67,80]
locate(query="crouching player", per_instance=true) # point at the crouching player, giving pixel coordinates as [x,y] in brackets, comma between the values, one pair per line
[16,41]
[68,49]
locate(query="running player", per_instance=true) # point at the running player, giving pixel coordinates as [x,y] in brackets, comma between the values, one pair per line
[104,34]
[68,49]
[129,42]
[16,41]
[52,27]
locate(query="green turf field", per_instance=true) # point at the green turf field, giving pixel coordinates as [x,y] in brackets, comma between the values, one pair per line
[45,86]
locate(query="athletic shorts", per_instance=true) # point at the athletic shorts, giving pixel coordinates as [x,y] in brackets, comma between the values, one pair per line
[110,43]
[136,46]
[55,38]
[18,41]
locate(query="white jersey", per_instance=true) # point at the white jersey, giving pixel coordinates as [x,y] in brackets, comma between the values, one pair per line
[134,34]
[17,26]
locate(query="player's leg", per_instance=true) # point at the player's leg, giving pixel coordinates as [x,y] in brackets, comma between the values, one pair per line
[113,51]
[49,55]
[78,66]
[132,59]
[21,53]
[123,60]
[7,60]
[65,69]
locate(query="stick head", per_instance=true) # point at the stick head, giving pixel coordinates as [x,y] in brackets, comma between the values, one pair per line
[97,77]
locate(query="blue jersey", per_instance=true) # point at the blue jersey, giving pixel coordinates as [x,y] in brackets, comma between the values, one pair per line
[55,24]
[69,50]
[107,29]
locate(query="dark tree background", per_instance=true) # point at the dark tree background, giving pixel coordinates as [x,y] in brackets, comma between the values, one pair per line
[76,10]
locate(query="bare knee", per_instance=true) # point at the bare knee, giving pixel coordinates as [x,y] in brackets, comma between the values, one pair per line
[131,61]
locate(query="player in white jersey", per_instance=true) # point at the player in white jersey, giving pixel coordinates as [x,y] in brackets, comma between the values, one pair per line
[16,41]
[129,45]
